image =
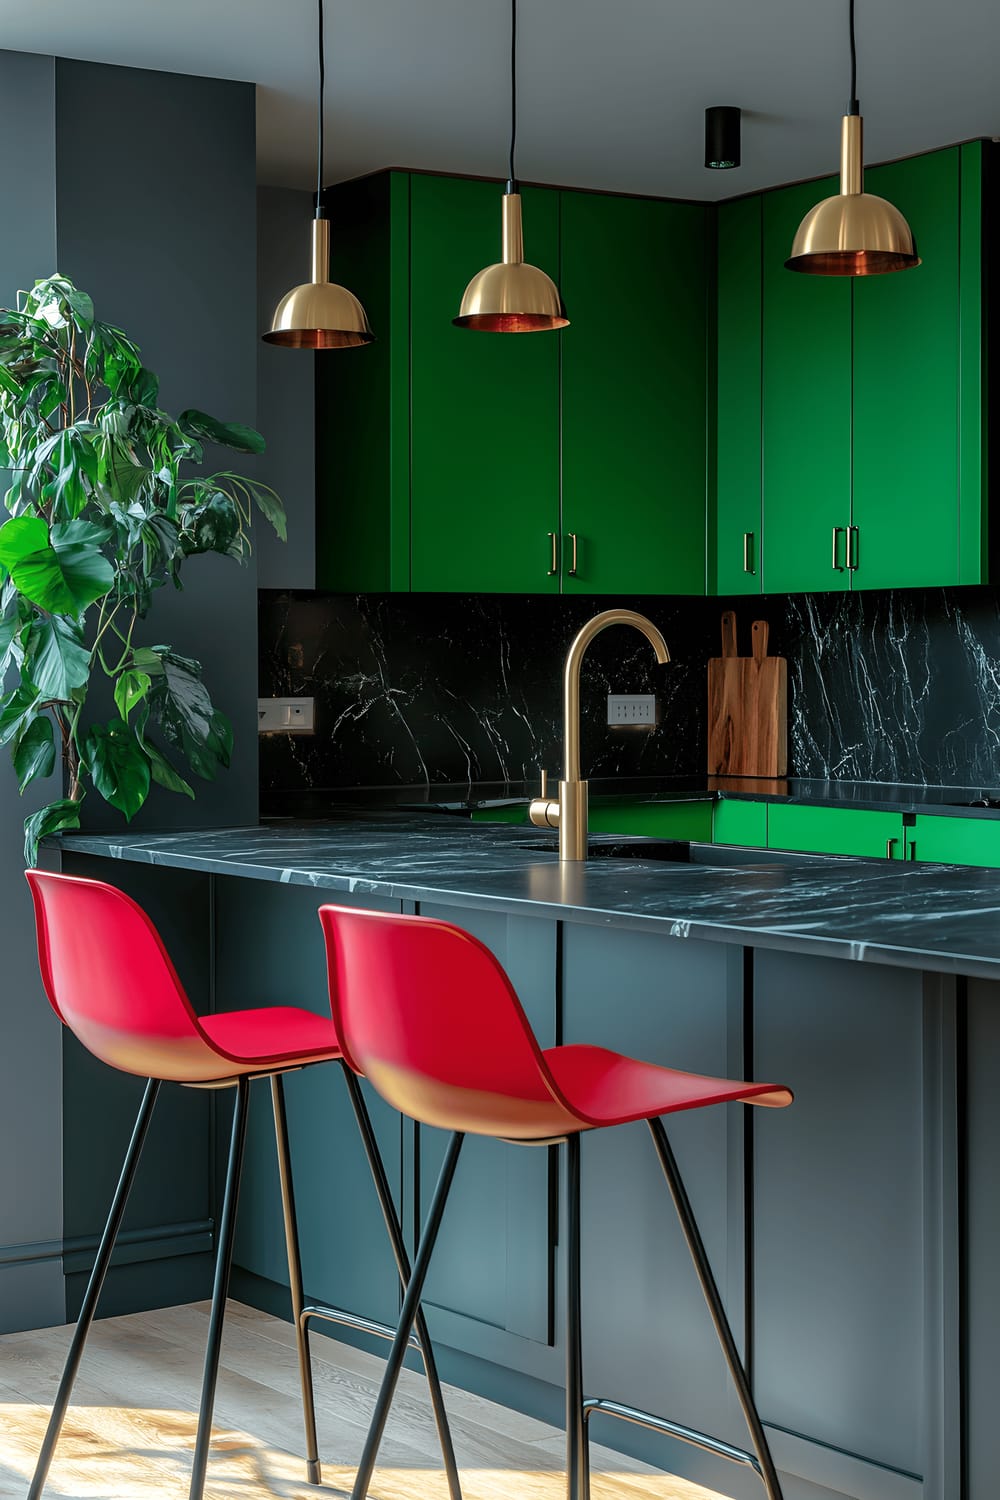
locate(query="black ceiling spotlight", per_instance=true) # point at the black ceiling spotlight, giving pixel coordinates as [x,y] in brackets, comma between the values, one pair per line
[722,136]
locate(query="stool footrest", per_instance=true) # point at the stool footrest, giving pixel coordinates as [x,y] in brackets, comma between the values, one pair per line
[671,1429]
[354,1320]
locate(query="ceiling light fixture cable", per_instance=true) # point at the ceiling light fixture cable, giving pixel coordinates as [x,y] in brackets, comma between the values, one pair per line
[511,296]
[319,314]
[511,178]
[322,96]
[854,233]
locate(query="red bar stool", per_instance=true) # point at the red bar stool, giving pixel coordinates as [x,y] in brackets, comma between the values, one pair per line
[429,1016]
[110,980]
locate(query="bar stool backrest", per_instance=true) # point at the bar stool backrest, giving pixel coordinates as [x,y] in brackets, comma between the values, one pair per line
[427,1013]
[110,979]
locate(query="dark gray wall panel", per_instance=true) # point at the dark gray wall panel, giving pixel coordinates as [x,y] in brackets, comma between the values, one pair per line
[286,393]
[838,1211]
[269,951]
[648,1339]
[31,1291]
[983,1230]
[157,220]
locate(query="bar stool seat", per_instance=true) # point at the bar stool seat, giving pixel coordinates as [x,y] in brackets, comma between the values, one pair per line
[280,1036]
[110,979]
[427,1013]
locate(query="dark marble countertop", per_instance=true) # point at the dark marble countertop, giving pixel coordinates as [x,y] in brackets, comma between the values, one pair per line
[948,801]
[936,917]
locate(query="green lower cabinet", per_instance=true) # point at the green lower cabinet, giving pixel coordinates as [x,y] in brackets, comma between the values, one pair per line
[631,819]
[835,830]
[740,823]
[661,820]
[955,841]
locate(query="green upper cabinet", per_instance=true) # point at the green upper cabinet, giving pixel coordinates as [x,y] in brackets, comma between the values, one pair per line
[484,477]
[738,540]
[633,276]
[806,372]
[363,397]
[910,509]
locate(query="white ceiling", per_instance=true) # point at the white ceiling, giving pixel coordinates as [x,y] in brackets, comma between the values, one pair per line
[611,92]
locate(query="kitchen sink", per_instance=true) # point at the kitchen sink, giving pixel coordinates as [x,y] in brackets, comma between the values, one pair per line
[677,851]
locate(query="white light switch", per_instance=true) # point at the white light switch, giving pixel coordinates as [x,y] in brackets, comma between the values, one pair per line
[285,715]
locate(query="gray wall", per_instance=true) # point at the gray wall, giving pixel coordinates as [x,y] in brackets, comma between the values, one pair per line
[286,399]
[140,186]
[157,220]
[31,1283]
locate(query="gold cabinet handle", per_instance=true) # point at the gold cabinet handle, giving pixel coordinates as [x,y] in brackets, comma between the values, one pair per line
[553,570]
[748,566]
[852,548]
[572,566]
[836,532]
[890,844]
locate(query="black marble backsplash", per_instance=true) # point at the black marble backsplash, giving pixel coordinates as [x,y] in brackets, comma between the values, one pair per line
[424,688]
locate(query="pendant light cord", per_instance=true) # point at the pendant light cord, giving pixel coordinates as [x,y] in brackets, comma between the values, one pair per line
[854,107]
[322,90]
[511,179]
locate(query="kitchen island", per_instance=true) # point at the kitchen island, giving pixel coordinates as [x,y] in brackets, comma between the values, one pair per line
[855,1236]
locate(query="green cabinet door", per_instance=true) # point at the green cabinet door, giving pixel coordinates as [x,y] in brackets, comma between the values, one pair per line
[737,822]
[835,830]
[484,477]
[738,542]
[906,389]
[633,278]
[956,841]
[806,408]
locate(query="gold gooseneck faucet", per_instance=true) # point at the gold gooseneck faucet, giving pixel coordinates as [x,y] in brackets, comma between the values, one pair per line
[568,812]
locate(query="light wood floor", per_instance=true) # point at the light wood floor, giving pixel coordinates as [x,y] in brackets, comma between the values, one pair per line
[130,1433]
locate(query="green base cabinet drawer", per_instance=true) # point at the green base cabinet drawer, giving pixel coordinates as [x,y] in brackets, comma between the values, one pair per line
[957,841]
[835,830]
[660,820]
[740,823]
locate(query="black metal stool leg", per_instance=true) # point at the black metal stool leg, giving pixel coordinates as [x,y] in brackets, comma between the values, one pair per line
[696,1246]
[577,1455]
[94,1286]
[313,1473]
[411,1302]
[220,1290]
[402,1260]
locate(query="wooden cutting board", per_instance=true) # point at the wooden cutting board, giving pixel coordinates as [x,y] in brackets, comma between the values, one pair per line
[747,707]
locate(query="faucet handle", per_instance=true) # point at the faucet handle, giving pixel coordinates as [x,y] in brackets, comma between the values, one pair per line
[544,788]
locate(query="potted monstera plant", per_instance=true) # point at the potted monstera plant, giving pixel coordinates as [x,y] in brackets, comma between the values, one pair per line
[107,499]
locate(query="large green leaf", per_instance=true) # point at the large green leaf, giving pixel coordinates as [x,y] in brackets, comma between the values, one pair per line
[57,658]
[130,690]
[180,703]
[215,526]
[162,771]
[17,710]
[57,817]
[61,569]
[35,752]
[233,435]
[118,767]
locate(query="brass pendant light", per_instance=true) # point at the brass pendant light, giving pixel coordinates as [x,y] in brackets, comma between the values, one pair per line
[319,314]
[855,233]
[512,296]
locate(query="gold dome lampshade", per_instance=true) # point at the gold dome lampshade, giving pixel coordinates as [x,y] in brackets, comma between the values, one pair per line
[319,314]
[511,296]
[854,233]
